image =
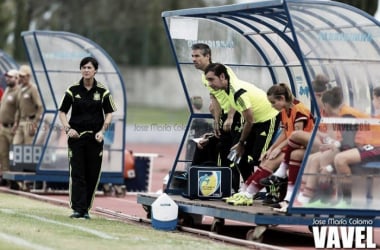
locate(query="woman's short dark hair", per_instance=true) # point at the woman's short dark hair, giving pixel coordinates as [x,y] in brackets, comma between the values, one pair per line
[89,59]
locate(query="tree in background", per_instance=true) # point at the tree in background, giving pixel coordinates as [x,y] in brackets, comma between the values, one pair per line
[131,31]
[369,6]
[6,18]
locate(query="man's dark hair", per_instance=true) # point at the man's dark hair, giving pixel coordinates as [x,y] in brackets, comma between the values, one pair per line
[376,91]
[218,69]
[89,59]
[204,48]
[320,83]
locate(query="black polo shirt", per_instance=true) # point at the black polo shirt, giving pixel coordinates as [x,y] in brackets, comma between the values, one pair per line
[88,106]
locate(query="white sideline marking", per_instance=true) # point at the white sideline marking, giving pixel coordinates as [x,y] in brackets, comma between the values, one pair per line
[84,229]
[21,242]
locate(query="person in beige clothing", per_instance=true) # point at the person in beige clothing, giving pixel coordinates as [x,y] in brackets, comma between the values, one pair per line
[29,108]
[7,118]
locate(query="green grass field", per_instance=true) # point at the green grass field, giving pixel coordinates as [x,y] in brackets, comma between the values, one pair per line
[30,224]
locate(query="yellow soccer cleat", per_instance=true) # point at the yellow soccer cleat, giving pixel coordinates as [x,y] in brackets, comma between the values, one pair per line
[242,200]
[233,197]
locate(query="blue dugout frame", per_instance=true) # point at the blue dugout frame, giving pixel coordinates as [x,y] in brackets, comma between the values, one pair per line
[54,57]
[290,41]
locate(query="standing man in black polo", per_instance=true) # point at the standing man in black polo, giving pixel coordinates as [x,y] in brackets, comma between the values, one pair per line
[91,113]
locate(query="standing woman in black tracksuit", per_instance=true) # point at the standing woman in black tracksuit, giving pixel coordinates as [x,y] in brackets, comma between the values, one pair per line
[92,106]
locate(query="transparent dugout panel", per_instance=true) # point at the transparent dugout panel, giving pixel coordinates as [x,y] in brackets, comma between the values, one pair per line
[55,59]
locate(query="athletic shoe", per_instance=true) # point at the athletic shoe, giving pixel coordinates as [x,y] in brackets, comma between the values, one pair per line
[242,200]
[76,215]
[234,197]
[86,216]
[108,190]
[276,193]
[3,182]
[120,191]
[260,196]
[181,175]
[270,200]
[273,180]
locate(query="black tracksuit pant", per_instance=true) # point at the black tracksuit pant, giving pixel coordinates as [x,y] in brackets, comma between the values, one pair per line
[85,159]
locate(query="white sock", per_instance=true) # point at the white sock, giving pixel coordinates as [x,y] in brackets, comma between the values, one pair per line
[251,189]
[242,188]
[281,171]
[289,192]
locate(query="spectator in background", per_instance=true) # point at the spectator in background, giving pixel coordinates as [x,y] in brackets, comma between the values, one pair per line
[1,93]
[198,127]
[8,126]
[196,103]
[29,108]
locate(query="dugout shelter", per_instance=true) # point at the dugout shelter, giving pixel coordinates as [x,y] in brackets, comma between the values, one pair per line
[54,57]
[290,41]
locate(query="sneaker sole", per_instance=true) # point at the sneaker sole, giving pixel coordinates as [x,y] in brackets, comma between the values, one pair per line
[242,204]
[245,204]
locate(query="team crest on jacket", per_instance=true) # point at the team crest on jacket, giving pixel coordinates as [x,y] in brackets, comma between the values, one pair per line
[96,96]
